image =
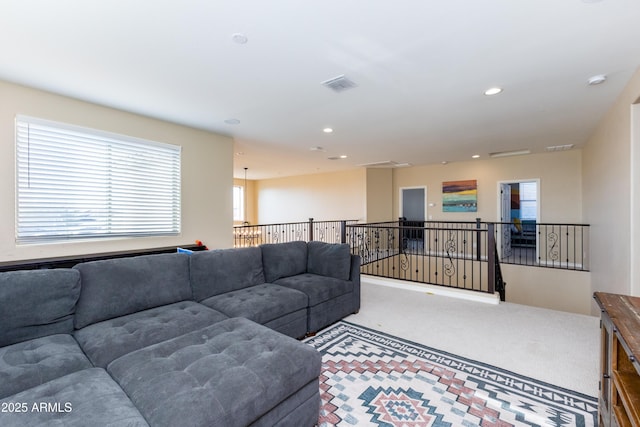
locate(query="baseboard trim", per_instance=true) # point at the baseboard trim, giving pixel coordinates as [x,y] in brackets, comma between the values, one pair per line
[432,289]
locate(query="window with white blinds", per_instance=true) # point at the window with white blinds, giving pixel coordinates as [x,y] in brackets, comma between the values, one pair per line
[528,202]
[79,183]
[238,197]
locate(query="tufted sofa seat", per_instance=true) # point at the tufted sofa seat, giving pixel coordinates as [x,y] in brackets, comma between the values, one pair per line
[232,371]
[172,339]
[33,362]
[105,341]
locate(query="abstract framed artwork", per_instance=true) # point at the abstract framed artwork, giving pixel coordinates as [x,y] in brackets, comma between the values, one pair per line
[460,196]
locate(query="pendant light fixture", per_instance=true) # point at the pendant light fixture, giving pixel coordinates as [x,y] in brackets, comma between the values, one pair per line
[245,197]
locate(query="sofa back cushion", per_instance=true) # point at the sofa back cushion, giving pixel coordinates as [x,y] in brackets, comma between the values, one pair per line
[329,259]
[37,303]
[283,259]
[219,271]
[121,286]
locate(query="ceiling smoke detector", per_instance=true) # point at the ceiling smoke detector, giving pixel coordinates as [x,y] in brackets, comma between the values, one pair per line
[596,80]
[339,84]
[239,38]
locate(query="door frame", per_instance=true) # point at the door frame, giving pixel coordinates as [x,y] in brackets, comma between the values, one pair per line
[499,207]
[634,232]
[401,199]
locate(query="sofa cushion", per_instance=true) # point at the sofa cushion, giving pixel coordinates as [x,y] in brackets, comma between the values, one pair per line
[261,303]
[106,341]
[329,259]
[218,271]
[283,259]
[31,363]
[85,398]
[36,303]
[228,374]
[318,288]
[121,286]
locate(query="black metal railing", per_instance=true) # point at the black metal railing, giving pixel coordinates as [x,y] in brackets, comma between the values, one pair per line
[564,246]
[552,245]
[459,255]
[323,231]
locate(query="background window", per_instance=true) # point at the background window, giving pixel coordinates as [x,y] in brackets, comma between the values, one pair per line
[75,183]
[528,200]
[238,198]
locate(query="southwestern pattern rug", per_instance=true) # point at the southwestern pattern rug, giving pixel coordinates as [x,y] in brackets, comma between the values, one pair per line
[373,379]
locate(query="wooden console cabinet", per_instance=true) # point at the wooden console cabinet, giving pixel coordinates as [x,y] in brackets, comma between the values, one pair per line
[619,400]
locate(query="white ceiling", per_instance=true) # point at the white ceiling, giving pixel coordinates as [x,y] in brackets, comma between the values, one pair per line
[421,67]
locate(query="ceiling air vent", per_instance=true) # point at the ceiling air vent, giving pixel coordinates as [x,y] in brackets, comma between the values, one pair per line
[339,84]
[510,153]
[560,147]
[385,164]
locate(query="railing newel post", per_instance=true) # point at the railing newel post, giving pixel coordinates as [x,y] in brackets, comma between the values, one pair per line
[491,258]
[311,229]
[478,240]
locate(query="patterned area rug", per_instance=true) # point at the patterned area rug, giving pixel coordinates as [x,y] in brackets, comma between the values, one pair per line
[373,379]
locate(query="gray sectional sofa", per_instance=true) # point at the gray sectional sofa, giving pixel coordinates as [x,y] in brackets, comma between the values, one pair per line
[206,339]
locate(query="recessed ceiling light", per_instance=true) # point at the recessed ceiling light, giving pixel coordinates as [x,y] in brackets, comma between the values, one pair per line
[444,162]
[232,121]
[344,156]
[327,130]
[475,156]
[596,80]
[493,91]
[239,38]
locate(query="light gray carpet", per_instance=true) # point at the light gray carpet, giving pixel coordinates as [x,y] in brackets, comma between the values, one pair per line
[552,346]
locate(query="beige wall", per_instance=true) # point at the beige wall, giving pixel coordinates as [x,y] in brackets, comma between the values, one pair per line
[607,164]
[550,288]
[559,174]
[207,161]
[379,196]
[323,197]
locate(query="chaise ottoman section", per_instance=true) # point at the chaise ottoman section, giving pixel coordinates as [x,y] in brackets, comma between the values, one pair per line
[34,362]
[85,398]
[105,341]
[229,374]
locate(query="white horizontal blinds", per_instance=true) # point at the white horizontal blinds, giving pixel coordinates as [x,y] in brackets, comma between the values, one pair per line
[81,183]
[528,204]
